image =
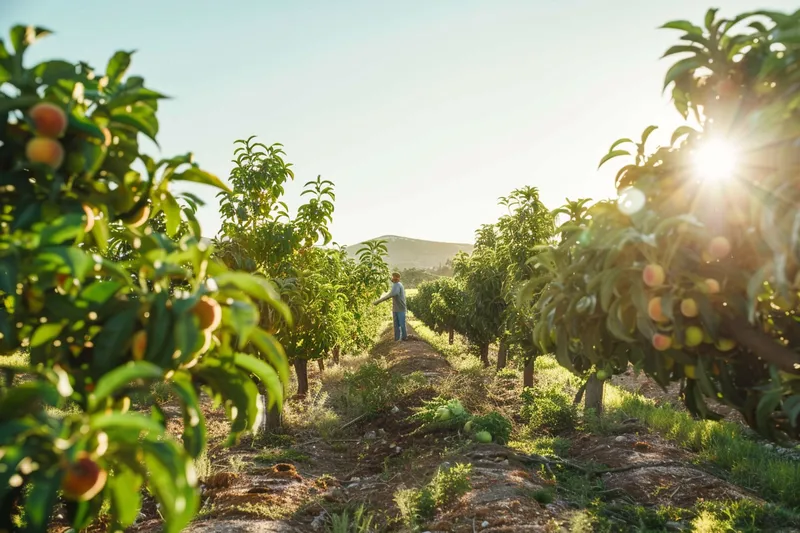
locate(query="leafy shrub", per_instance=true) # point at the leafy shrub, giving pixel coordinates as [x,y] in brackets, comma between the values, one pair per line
[361,521]
[495,423]
[441,412]
[449,484]
[372,388]
[415,505]
[550,410]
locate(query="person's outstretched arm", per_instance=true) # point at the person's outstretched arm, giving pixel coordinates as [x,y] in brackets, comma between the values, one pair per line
[393,292]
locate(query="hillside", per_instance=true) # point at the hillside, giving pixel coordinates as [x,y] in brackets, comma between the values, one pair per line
[417,253]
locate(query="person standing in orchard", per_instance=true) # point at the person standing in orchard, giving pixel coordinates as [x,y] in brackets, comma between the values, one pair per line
[398,296]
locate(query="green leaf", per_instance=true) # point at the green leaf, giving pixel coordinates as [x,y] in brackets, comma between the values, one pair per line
[682,67]
[24,36]
[168,480]
[243,318]
[611,155]
[682,49]
[269,347]
[679,132]
[200,176]
[140,120]
[120,377]
[123,490]
[45,334]
[21,103]
[51,72]
[194,424]
[647,132]
[111,343]
[127,422]
[118,65]
[255,286]
[41,499]
[265,374]
[172,213]
[766,406]
[683,25]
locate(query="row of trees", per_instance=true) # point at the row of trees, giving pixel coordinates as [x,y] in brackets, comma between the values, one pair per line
[481,300]
[108,289]
[329,294]
[693,273]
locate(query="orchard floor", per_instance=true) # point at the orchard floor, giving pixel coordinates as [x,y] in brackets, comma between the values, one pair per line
[328,461]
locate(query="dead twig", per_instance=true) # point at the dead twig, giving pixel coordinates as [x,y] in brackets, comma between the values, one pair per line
[353,421]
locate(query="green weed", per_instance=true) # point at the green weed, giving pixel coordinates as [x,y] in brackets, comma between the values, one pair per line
[360,522]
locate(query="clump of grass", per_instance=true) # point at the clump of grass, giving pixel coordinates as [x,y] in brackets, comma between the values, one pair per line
[278,455]
[548,409]
[419,505]
[372,388]
[546,446]
[202,466]
[360,522]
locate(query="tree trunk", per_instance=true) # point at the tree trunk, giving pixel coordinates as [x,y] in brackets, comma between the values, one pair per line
[335,355]
[452,336]
[321,365]
[485,354]
[301,369]
[502,354]
[594,394]
[527,373]
[271,418]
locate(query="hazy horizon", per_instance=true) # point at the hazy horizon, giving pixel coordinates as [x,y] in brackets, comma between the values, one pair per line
[422,115]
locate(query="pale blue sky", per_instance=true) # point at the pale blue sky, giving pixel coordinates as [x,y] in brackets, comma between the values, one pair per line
[422,112]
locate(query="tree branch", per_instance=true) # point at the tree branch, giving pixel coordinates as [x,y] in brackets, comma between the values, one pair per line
[762,345]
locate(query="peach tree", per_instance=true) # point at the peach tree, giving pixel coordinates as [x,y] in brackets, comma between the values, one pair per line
[83,329]
[693,274]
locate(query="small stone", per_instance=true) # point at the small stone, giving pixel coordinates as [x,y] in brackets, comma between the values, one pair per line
[370,435]
[621,438]
[484,524]
[381,432]
[395,410]
[319,521]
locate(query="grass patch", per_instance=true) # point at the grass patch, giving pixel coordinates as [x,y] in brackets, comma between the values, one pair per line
[360,521]
[419,505]
[278,455]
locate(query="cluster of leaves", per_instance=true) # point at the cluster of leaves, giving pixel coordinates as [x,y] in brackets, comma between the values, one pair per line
[329,293]
[419,505]
[689,279]
[107,290]
[498,426]
[373,387]
[549,410]
[481,302]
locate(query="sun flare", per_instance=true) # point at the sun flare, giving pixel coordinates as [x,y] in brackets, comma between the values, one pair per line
[715,160]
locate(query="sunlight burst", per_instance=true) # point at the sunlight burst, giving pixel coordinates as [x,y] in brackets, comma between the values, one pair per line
[714,160]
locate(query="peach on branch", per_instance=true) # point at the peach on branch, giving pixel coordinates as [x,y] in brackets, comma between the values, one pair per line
[89,218]
[208,313]
[694,336]
[139,345]
[49,120]
[83,479]
[46,151]
[711,286]
[689,308]
[139,217]
[654,310]
[689,371]
[653,275]
[661,342]
[725,345]
[719,247]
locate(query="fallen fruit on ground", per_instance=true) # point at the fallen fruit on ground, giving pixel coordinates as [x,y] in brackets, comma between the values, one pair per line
[83,479]
[443,413]
[483,436]
[689,308]
[661,342]
[468,426]
[48,119]
[653,275]
[45,151]
[208,313]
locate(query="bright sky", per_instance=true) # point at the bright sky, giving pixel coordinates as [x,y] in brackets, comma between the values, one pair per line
[422,112]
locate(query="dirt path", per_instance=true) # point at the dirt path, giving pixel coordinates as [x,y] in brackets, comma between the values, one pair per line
[308,478]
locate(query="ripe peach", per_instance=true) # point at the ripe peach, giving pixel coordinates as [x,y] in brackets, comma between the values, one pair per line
[83,479]
[689,308]
[89,218]
[725,345]
[45,151]
[694,336]
[139,217]
[712,286]
[654,310]
[661,342]
[208,312]
[653,275]
[139,345]
[719,247]
[48,119]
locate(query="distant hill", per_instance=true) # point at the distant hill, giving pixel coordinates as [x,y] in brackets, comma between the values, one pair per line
[416,253]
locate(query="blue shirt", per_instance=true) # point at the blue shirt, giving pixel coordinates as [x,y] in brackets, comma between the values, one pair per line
[398,296]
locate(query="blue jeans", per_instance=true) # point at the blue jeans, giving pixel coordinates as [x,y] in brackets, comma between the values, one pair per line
[399,320]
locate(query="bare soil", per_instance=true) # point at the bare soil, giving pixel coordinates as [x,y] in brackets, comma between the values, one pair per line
[373,458]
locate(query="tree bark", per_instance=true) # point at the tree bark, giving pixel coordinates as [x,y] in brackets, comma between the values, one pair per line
[451,336]
[336,355]
[527,373]
[485,354]
[502,354]
[301,369]
[762,345]
[594,394]
[321,365]
[272,418]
